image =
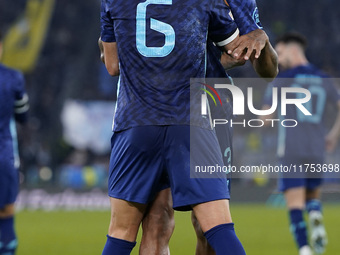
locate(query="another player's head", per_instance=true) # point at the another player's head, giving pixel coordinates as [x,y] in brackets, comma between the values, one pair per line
[290,49]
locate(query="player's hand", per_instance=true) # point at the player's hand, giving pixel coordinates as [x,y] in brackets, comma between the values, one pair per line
[101,48]
[331,142]
[228,62]
[249,45]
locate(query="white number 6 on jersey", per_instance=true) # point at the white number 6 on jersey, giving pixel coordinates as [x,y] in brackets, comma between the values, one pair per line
[156,25]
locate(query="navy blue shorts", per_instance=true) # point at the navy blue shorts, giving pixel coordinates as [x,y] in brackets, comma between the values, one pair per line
[147,159]
[9,183]
[310,181]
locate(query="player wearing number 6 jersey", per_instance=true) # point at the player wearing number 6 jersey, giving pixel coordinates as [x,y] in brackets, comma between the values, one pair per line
[305,143]
[161,45]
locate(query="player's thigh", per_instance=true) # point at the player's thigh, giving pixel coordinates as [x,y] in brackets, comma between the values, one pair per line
[314,188]
[185,149]
[292,180]
[136,164]
[159,217]
[295,197]
[125,219]
[161,207]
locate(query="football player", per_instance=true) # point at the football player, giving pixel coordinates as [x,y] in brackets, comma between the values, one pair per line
[13,105]
[306,143]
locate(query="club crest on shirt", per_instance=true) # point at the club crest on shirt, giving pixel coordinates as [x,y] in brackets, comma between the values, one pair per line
[256,18]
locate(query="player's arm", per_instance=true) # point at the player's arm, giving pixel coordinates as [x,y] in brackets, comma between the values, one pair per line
[253,41]
[224,31]
[256,46]
[109,55]
[21,103]
[107,42]
[265,62]
[332,137]
[229,62]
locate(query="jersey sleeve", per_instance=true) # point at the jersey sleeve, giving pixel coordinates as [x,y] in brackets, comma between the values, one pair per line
[107,32]
[245,14]
[21,105]
[222,28]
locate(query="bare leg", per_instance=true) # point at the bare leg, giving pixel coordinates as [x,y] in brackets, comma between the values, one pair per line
[125,219]
[216,223]
[313,194]
[7,211]
[212,214]
[202,246]
[158,225]
[296,198]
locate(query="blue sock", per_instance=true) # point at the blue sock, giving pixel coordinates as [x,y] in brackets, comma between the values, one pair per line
[116,246]
[224,240]
[313,205]
[298,227]
[8,240]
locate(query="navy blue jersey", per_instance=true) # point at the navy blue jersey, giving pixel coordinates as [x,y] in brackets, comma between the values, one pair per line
[13,103]
[246,15]
[161,45]
[307,139]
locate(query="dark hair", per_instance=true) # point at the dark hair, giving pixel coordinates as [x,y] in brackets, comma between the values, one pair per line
[293,37]
[0,36]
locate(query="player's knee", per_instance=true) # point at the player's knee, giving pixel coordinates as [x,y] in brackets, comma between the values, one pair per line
[7,212]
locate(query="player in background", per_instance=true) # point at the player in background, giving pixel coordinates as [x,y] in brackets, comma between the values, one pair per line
[305,143]
[13,104]
[218,228]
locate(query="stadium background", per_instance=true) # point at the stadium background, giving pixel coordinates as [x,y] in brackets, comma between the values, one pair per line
[64,147]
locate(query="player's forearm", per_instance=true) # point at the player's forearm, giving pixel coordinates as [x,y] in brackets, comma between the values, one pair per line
[266,65]
[111,58]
